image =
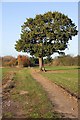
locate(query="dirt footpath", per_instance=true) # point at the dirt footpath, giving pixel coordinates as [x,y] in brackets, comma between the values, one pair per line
[62,101]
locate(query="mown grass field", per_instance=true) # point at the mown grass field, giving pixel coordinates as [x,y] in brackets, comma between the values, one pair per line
[35,103]
[65,76]
[0,74]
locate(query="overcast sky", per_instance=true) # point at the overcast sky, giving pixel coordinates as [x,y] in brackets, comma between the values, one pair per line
[14,15]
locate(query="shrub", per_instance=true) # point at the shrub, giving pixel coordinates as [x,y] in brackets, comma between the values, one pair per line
[23,61]
[9,61]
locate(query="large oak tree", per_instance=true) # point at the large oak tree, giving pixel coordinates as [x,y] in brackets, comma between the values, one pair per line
[46,34]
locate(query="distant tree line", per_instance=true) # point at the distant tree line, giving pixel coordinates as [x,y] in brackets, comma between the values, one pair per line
[66,60]
[25,61]
[20,61]
[8,61]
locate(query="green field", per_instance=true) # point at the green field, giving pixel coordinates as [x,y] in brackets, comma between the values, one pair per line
[64,76]
[0,73]
[35,104]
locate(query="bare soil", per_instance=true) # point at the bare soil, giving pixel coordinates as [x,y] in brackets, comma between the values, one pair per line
[10,107]
[63,102]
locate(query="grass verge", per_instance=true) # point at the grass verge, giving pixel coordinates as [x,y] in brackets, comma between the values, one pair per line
[33,103]
[64,76]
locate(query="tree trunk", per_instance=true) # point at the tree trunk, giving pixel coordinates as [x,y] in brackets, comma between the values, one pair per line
[41,64]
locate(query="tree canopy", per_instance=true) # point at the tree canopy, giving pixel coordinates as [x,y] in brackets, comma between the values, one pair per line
[46,34]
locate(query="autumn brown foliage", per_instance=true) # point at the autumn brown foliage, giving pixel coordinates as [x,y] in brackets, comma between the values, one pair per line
[23,61]
[9,61]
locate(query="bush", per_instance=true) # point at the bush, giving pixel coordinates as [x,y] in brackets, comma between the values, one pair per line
[66,60]
[9,61]
[23,61]
[34,61]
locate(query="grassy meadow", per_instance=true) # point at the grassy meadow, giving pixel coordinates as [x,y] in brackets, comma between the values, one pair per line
[64,76]
[0,74]
[35,103]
